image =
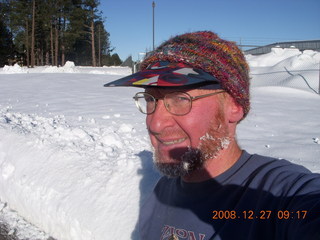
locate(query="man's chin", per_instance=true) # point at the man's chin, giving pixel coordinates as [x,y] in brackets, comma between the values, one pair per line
[180,162]
[171,170]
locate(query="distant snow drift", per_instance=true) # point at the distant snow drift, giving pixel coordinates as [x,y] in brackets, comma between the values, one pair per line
[286,68]
[75,158]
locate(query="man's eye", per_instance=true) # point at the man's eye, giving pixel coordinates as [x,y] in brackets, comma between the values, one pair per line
[148,99]
[182,99]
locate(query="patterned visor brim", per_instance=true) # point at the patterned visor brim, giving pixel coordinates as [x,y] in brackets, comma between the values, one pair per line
[167,74]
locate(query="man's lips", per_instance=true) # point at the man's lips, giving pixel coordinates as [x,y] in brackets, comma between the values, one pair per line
[172,142]
[168,138]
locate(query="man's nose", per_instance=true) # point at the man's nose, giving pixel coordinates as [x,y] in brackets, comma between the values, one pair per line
[159,119]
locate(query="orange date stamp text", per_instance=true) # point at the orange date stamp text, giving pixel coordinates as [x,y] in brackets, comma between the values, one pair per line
[260,215]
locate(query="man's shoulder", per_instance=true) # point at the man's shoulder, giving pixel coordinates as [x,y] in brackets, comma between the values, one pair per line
[280,174]
[259,162]
[278,165]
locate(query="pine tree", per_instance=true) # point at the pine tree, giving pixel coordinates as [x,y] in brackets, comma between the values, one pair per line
[91,6]
[20,12]
[116,59]
[102,41]
[53,31]
[6,43]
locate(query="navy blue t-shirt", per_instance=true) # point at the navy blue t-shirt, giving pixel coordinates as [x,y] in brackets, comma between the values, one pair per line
[257,198]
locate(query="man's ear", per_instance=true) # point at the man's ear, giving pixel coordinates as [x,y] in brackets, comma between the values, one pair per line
[235,110]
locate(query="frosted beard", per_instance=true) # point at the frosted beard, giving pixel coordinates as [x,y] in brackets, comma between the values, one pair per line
[191,159]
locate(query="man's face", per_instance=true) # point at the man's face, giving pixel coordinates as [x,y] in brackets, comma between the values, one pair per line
[184,143]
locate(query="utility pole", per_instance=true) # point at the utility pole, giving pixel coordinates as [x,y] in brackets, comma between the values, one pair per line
[153,6]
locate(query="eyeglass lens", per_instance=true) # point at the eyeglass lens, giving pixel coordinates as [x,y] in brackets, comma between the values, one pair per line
[176,103]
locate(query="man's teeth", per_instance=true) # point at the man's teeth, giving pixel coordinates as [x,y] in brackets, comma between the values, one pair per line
[174,141]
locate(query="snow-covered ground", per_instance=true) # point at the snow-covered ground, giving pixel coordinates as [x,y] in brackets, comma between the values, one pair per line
[75,159]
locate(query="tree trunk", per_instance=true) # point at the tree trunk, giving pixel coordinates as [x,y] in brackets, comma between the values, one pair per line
[92,45]
[56,44]
[27,44]
[99,46]
[41,59]
[37,58]
[47,58]
[62,31]
[63,60]
[52,49]
[32,33]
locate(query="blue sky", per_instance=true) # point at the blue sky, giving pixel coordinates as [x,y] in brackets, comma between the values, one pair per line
[251,22]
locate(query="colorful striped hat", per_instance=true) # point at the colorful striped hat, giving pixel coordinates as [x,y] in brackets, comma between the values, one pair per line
[203,52]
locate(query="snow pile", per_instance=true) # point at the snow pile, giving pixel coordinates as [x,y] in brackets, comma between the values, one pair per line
[69,67]
[75,158]
[287,68]
[13,69]
[16,227]
[270,59]
[80,179]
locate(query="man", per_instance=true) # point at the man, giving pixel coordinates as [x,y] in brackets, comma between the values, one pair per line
[196,92]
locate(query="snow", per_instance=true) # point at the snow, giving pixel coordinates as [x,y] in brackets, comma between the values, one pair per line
[75,158]
[69,67]
[287,68]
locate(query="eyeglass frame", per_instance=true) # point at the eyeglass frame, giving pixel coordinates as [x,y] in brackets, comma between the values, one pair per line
[192,98]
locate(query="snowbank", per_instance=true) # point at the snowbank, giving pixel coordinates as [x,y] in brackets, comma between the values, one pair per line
[69,67]
[286,68]
[75,158]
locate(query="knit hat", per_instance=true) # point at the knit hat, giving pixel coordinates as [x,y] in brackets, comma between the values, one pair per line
[202,52]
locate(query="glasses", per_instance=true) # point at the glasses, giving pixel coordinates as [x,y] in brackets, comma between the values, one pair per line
[177,103]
